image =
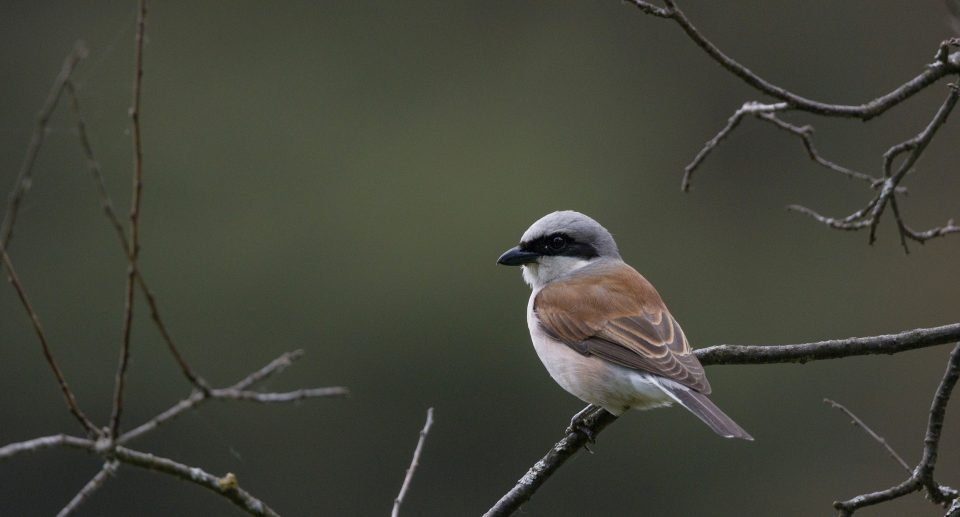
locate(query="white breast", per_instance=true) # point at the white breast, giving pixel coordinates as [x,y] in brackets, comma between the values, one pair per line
[593,380]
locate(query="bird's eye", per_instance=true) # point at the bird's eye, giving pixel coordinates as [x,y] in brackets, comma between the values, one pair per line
[557,243]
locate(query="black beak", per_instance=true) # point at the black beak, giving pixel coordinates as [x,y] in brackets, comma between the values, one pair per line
[516,256]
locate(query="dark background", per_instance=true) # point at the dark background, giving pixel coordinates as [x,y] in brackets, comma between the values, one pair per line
[341,176]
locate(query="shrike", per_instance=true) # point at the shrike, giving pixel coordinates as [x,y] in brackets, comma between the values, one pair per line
[600,327]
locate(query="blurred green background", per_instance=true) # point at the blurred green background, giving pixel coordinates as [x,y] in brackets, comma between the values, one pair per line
[341,176]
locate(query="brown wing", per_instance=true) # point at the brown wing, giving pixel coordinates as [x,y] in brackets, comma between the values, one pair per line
[612,312]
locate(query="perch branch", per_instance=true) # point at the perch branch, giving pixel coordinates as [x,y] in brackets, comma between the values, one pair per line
[413,464]
[598,419]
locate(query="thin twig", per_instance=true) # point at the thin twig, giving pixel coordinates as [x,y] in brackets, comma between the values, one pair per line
[922,476]
[45,346]
[413,464]
[879,439]
[109,468]
[24,176]
[134,248]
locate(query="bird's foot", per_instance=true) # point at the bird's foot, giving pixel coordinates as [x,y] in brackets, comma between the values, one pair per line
[581,423]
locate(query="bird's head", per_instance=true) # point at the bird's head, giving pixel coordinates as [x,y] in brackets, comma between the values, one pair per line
[558,244]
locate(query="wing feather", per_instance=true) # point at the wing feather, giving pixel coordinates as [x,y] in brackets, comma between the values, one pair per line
[612,312]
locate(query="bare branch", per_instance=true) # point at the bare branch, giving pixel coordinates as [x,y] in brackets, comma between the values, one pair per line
[932,73]
[134,248]
[414,462]
[922,476]
[879,439]
[47,353]
[109,468]
[24,177]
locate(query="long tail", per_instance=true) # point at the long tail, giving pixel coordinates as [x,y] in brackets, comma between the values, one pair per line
[700,405]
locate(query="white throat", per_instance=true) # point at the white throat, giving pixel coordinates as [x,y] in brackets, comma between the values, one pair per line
[548,268]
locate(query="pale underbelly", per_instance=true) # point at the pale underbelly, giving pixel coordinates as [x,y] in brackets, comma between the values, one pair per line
[595,381]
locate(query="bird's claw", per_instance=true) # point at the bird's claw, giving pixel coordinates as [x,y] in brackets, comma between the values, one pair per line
[580,425]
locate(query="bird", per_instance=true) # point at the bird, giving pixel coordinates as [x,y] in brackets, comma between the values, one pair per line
[602,330]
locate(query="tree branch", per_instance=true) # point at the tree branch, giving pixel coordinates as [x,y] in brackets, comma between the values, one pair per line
[414,462]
